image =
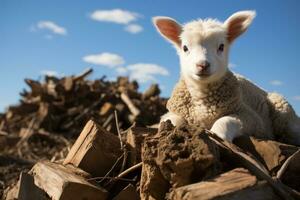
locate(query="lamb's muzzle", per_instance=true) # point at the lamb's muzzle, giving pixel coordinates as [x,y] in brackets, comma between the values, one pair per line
[203,68]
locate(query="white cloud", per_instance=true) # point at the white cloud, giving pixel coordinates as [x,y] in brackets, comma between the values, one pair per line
[121,70]
[144,72]
[49,73]
[276,82]
[232,65]
[116,16]
[106,59]
[133,28]
[296,98]
[51,26]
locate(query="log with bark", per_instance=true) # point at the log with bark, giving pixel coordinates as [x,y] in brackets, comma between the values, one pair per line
[237,184]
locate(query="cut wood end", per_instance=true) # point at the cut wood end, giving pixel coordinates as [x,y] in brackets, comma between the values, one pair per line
[61,183]
[95,151]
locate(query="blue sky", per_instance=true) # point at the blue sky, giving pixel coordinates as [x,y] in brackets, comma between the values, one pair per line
[65,37]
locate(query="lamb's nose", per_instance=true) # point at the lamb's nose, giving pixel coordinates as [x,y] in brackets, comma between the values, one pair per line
[203,65]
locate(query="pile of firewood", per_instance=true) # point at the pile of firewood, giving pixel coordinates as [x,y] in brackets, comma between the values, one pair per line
[66,104]
[166,163]
[52,112]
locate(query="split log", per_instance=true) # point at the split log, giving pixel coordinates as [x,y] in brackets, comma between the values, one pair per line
[51,85]
[28,190]
[35,86]
[82,114]
[237,184]
[22,109]
[68,83]
[106,109]
[269,152]
[133,109]
[237,155]
[8,140]
[153,90]
[95,151]
[135,138]
[290,172]
[60,183]
[12,192]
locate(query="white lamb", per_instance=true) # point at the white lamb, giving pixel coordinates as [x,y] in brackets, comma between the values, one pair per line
[208,94]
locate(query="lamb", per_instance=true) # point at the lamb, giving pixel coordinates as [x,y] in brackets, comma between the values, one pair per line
[209,95]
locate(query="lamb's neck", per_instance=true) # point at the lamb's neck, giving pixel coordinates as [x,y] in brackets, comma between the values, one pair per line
[215,90]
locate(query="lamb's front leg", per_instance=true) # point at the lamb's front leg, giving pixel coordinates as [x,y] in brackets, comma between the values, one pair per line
[244,122]
[174,118]
[227,128]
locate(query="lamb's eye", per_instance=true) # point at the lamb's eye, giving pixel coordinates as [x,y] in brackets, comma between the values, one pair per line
[221,48]
[185,49]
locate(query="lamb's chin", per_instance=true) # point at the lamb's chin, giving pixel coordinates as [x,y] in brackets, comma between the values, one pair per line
[202,78]
[207,78]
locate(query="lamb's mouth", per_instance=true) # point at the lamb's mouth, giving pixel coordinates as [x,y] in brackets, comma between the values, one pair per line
[203,74]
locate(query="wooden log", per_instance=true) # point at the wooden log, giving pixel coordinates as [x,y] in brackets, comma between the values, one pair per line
[61,183]
[237,184]
[153,90]
[135,138]
[106,109]
[68,83]
[234,154]
[36,87]
[26,133]
[269,152]
[8,140]
[22,109]
[81,115]
[290,172]
[95,151]
[50,86]
[128,193]
[28,190]
[12,192]
[84,74]
[133,109]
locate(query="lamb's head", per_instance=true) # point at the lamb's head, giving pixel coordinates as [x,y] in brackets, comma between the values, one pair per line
[203,45]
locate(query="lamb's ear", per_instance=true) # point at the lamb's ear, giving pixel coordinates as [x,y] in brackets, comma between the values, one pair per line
[168,28]
[238,23]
